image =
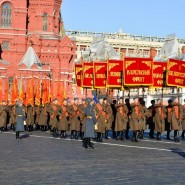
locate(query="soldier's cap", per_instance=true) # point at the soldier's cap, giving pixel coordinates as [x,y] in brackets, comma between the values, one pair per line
[54,99]
[76,99]
[89,100]
[83,99]
[65,99]
[3,100]
[101,97]
[105,98]
[159,99]
[121,98]
[170,101]
[173,98]
[135,97]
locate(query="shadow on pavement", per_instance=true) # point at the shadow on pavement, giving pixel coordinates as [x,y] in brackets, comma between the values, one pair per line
[178,151]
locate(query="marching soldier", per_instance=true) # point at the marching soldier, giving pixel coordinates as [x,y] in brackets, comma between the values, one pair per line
[54,111]
[43,117]
[121,119]
[63,119]
[136,118]
[109,117]
[146,114]
[82,117]
[183,122]
[176,117]
[37,109]
[74,119]
[11,112]
[3,116]
[30,113]
[151,119]
[101,118]
[20,117]
[159,118]
[90,121]
[168,119]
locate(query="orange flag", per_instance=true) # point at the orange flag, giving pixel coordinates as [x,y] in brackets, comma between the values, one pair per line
[38,93]
[29,92]
[15,90]
[59,95]
[6,90]
[21,91]
[44,91]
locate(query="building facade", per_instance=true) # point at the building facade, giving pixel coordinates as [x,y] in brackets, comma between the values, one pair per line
[36,23]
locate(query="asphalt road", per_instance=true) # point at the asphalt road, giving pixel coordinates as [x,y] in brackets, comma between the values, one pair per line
[39,159]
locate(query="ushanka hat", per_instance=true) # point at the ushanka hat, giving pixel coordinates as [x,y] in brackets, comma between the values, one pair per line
[76,99]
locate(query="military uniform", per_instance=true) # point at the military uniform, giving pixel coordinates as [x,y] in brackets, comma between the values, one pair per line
[90,121]
[121,120]
[150,121]
[82,108]
[3,117]
[183,122]
[30,117]
[74,120]
[101,119]
[63,120]
[168,119]
[109,118]
[136,119]
[159,119]
[43,117]
[176,118]
[11,112]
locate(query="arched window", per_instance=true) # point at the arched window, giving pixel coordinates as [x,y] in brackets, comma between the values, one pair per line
[6,15]
[45,22]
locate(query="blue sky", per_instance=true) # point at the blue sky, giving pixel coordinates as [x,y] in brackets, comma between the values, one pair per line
[138,17]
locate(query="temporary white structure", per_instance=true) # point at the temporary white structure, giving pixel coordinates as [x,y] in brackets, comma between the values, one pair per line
[100,50]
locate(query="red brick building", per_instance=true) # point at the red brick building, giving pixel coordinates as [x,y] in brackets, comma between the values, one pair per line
[36,23]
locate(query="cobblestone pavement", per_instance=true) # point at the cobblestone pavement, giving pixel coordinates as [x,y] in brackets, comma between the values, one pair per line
[39,159]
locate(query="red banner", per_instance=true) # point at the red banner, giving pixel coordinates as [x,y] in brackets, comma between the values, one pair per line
[100,74]
[138,71]
[176,73]
[159,74]
[87,77]
[78,74]
[114,73]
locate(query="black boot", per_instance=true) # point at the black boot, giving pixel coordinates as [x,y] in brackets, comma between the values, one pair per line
[72,134]
[91,145]
[135,139]
[151,134]
[122,137]
[85,143]
[182,135]
[82,135]
[118,135]
[158,136]
[77,134]
[106,134]
[54,132]
[175,136]
[168,135]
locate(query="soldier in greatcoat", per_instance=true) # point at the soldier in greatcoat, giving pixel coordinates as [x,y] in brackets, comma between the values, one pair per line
[20,118]
[176,117]
[183,122]
[43,117]
[63,119]
[121,119]
[159,119]
[151,119]
[11,113]
[82,117]
[74,119]
[54,112]
[168,119]
[30,113]
[90,121]
[3,116]
[109,116]
[136,118]
[101,118]
[127,103]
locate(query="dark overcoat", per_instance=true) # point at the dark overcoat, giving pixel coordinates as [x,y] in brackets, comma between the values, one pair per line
[20,118]
[89,122]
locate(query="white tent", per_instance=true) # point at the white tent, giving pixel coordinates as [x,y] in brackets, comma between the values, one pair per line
[30,58]
[100,50]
